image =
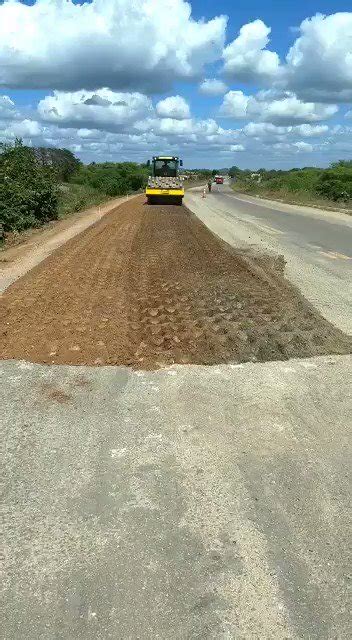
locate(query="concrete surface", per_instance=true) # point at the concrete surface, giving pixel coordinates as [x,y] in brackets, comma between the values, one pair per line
[317,245]
[187,503]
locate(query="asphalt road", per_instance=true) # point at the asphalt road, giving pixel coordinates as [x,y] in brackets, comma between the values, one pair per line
[328,234]
[317,245]
[187,503]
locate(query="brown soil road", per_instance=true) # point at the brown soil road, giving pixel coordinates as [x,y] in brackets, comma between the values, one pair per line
[149,286]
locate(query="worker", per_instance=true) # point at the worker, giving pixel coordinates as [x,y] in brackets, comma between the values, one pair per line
[164,170]
[209,185]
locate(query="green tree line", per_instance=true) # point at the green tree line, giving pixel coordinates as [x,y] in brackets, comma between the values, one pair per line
[37,183]
[333,183]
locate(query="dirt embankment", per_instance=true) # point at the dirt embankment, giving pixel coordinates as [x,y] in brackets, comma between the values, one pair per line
[150,286]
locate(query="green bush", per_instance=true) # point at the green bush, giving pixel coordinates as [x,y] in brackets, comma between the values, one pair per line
[336,184]
[113,179]
[28,195]
[308,184]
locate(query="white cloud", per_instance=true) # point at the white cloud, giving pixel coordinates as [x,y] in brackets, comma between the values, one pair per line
[310,131]
[27,129]
[199,142]
[234,105]
[275,107]
[247,59]
[288,110]
[319,64]
[141,45]
[173,107]
[303,146]
[189,128]
[103,109]
[264,130]
[7,108]
[212,87]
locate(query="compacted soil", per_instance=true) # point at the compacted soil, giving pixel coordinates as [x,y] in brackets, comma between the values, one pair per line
[148,286]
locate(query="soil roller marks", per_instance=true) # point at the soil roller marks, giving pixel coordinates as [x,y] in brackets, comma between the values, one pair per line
[150,286]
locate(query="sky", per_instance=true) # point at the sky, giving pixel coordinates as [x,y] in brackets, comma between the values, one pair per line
[233,82]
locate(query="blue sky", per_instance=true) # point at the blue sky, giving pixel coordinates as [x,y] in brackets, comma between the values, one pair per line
[113,80]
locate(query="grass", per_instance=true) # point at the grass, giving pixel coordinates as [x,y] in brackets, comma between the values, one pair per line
[77,197]
[286,193]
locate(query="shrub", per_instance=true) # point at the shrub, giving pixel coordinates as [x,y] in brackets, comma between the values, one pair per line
[113,179]
[336,184]
[333,184]
[28,196]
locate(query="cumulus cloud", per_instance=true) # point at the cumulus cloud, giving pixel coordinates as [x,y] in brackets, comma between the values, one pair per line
[117,43]
[26,129]
[247,59]
[212,87]
[289,110]
[271,106]
[103,108]
[174,107]
[319,64]
[256,144]
[7,108]
[311,131]
[303,146]
[270,133]
[190,129]
[234,105]
[264,130]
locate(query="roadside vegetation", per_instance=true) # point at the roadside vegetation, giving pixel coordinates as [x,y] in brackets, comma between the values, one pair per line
[311,185]
[38,185]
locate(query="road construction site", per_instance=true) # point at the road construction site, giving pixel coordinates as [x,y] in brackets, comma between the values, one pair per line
[198,486]
[149,286]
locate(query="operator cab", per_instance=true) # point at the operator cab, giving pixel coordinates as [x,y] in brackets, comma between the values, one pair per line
[165,166]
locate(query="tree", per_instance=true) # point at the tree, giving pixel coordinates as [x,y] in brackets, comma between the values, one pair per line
[62,161]
[28,196]
[342,164]
[234,171]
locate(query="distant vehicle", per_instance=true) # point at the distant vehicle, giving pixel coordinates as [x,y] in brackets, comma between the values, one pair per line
[165,184]
[219,179]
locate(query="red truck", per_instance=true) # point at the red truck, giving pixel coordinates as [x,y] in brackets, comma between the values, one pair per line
[219,179]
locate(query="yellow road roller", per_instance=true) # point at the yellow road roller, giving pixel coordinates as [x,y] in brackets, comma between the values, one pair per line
[165,186]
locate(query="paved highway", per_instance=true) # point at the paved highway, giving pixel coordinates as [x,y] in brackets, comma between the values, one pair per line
[317,245]
[328,234]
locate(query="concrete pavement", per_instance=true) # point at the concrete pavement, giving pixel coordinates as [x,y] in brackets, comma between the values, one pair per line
[191,502]
[317,245]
